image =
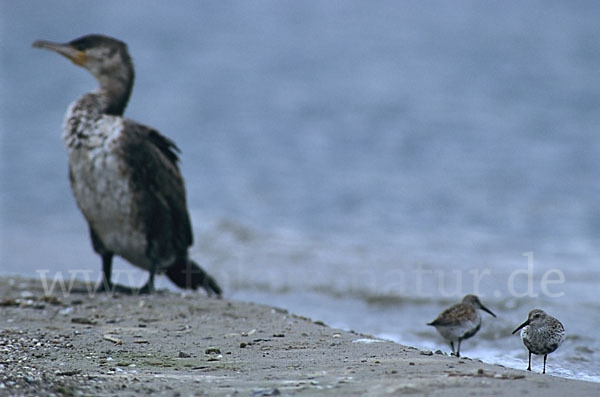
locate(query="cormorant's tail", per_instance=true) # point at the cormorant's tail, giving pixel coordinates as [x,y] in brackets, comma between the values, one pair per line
[188,274]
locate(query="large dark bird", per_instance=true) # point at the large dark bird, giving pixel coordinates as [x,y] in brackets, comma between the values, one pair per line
[124,175]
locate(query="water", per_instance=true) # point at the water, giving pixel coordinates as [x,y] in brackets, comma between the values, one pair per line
[362,163]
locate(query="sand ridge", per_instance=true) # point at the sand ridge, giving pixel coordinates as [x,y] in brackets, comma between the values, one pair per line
[185,344]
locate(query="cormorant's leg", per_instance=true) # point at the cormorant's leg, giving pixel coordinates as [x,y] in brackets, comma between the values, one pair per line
[458,349]
[106,285]
[529,366]
[149,287]
[545,357]
[107,269]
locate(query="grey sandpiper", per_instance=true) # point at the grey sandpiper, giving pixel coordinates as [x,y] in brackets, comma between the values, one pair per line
[541,334]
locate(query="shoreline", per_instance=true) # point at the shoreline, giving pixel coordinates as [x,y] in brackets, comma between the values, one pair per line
[188,344]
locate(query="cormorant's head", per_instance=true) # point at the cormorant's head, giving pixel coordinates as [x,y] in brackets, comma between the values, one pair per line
[106,58]
[102,55]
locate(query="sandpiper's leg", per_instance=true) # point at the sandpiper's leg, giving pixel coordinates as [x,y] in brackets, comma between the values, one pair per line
[458,349]
[544,370]
[529,366]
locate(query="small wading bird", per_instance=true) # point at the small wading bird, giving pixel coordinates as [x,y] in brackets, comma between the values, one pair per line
[541,334]
[124,175]
[460,322]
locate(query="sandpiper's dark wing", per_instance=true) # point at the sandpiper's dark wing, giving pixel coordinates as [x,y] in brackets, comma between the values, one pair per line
[158,187]
[454,315]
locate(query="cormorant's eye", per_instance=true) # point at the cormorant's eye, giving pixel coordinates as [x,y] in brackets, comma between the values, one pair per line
[80,44]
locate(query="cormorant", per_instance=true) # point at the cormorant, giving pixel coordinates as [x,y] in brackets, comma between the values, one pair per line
[124,175]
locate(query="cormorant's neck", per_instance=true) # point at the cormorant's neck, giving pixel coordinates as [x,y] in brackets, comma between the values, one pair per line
[115,92]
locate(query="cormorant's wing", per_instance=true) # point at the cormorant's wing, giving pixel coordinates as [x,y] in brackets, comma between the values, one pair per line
[156,179]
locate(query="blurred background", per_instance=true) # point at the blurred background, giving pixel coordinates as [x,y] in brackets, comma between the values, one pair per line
[364,163]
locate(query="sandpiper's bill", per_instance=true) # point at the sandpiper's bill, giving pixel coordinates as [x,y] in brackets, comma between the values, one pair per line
[460,321]
[541,334]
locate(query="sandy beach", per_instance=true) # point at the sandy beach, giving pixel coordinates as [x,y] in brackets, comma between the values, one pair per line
[185,344]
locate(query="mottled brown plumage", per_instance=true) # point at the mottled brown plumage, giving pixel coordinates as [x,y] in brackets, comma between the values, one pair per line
[460,321]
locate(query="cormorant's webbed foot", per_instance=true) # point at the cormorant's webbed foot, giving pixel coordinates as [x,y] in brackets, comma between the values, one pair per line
[149,287]
[111,288]
[106,285]
[146,289]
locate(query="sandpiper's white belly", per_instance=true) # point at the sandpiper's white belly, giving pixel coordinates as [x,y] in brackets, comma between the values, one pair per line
[454,332]
[544,338]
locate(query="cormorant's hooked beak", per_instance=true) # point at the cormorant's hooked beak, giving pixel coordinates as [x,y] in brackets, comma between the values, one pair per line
[76,56]
[521,326]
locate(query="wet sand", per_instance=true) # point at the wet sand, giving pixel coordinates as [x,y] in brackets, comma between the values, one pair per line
[180,344]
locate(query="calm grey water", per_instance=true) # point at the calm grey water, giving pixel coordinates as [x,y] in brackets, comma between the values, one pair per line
[363,163]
